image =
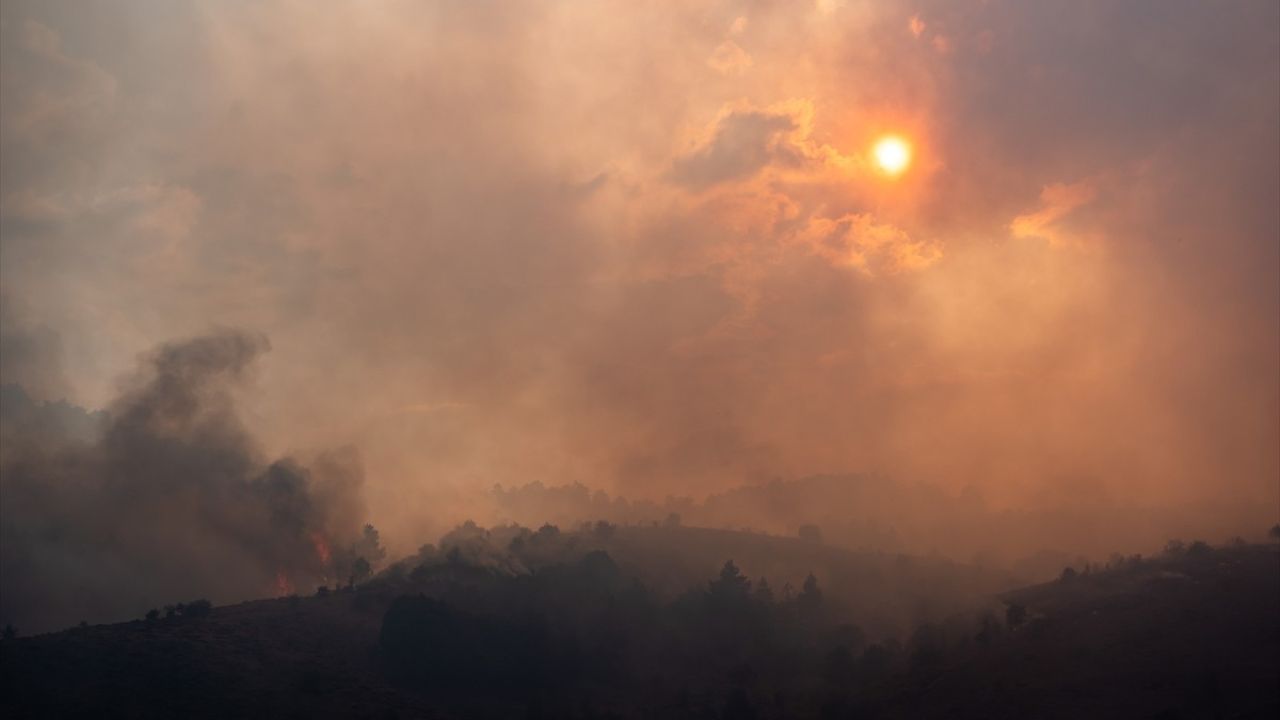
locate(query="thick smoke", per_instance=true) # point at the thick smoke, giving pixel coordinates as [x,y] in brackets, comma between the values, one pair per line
[640,246]
[172,500]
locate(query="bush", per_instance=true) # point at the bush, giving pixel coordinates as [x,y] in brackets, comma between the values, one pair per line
[1199,547]
[197,608]
[152,615]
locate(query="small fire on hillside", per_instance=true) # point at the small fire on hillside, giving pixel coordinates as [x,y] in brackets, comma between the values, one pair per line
[283,586]
[322,549]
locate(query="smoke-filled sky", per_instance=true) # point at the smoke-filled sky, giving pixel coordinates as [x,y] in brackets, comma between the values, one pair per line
[645,245]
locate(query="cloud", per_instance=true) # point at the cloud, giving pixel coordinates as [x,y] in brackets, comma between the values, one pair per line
[730,59]
[859,241]
[1057,202]
[742,144]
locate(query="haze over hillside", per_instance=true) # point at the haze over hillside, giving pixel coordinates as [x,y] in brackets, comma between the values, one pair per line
[696,317]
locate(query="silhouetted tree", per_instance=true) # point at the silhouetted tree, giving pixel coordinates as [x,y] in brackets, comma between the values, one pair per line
[10,632]
[369,546]
[1068,574]
[876,662]
[810,597]
[763,593]
[547,533]
[152,615]
[811,533]
[197,608]
[1274,533]
[988,630]
[1015,615]
[732,585]
[1199,547]
[360,571]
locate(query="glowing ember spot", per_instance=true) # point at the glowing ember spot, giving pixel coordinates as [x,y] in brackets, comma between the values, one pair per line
[284,586]
[322,548]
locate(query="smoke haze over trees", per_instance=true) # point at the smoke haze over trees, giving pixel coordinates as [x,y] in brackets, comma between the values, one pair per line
[569,358]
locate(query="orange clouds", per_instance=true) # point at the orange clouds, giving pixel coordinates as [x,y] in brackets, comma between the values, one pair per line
[1057,202]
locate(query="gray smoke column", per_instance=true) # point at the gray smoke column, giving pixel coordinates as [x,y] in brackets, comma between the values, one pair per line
[172,501]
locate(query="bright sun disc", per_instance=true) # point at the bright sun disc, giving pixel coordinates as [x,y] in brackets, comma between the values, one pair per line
[892,154]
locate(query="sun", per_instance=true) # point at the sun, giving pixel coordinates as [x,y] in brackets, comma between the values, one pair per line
[892,154]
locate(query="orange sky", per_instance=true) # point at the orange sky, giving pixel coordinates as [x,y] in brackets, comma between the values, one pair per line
[644,245]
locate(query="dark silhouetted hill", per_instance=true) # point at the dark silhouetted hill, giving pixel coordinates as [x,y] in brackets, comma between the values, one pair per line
[599,623]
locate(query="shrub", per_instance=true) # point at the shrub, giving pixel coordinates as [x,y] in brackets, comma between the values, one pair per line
[197,608]
[1199,547]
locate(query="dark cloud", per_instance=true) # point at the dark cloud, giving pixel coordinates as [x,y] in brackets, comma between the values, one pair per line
[744,142]
[170,501]
[30,354]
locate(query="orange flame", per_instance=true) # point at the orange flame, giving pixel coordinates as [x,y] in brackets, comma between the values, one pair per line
[322,548]
[284,586]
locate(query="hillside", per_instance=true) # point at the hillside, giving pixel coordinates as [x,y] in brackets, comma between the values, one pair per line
[579,633]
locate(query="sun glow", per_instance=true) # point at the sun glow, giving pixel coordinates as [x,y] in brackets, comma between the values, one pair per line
[892,154]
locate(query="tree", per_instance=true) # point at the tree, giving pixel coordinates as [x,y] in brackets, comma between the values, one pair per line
[369,546]
[197,608]
[1274,534]
[10,632]
[152,615]
[1015,615]
[763,593]
[731,585]
[810,597]
[360,571]
[1068,574]
[547,532]
[811,533]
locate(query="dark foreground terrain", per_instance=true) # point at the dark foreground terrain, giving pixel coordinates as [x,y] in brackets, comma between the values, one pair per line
[583,625]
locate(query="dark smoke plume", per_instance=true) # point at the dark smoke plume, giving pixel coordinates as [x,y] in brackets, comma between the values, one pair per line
[171,500]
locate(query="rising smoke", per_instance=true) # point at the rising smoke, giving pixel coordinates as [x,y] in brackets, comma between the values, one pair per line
[172,499]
